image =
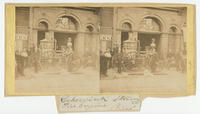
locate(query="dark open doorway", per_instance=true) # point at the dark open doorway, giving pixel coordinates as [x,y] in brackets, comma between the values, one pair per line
[146,40]
[62,38]
[124,37]
[41,36]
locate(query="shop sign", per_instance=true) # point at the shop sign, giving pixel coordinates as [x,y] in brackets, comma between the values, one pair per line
[21,36]
[106,37]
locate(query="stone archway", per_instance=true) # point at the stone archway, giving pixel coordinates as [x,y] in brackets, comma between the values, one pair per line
[159,20]
[149,28]
[66,28]
[126,37]
[125,34]
[42,28]
[69,25]
[125,25]
[153,27]
[72,16]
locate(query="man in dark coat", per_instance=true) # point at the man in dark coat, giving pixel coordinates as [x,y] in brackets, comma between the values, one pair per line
[178,59]
[103,64]
[114,55]
[36,60]
[20,64]
[111,59]
[119,62]
[153,61]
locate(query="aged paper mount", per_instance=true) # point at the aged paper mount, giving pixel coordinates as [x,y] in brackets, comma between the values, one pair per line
[90,97]
[44,83]
[97,103]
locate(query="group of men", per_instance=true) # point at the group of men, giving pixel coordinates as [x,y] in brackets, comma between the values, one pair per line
[151,59]
[154,62]
[111,59]
[26,58]
[177,60]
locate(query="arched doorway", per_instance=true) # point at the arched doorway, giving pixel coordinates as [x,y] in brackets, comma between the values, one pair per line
[66,28]
[125,33]
[42,28]
[149,28]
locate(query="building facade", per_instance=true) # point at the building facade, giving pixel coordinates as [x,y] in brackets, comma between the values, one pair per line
[138,26]
[94,29]
[50,29]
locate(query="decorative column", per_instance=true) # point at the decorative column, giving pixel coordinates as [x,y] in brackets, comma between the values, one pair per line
[183,37]
[118,39]
[33,33]
[30,37]
[96,42]
[114,32]
[96,37]
[103,45]
[163,45]
[130,36]
[86,42]
[79,44]
[178,41]
[49,35]
[135,36]
[135,39]
[34,37]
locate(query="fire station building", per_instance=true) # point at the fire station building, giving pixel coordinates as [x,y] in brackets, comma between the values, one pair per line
[98,28]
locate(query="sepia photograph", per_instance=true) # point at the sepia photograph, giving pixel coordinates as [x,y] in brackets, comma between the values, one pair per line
[99,49]
[143,49]
[109,56]
[57,50]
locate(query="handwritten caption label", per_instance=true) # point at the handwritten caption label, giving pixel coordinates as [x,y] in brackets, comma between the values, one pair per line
[99,103]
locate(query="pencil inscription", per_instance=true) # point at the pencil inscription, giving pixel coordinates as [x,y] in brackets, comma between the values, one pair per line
[100,103]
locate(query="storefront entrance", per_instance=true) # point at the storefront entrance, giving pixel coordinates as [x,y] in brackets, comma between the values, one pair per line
[61,39]
[41,36]
[145,40]
[124,37]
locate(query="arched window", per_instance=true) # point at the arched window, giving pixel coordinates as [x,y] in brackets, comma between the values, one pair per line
[43,25]
[173,30]
[126,26]
[89,28]
[150,24]
[42,28]
[66,23]
[125,34]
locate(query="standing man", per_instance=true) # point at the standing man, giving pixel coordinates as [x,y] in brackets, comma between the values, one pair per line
[108,58]
[153,60]
[103,64]
[111,59]
[24,55]
[114,56]
[153,56]
[19,63]
[69,54]
[178,59]
[119,61]
[37,60]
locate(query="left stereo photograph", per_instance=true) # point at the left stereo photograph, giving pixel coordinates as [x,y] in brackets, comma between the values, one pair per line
[54,50]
